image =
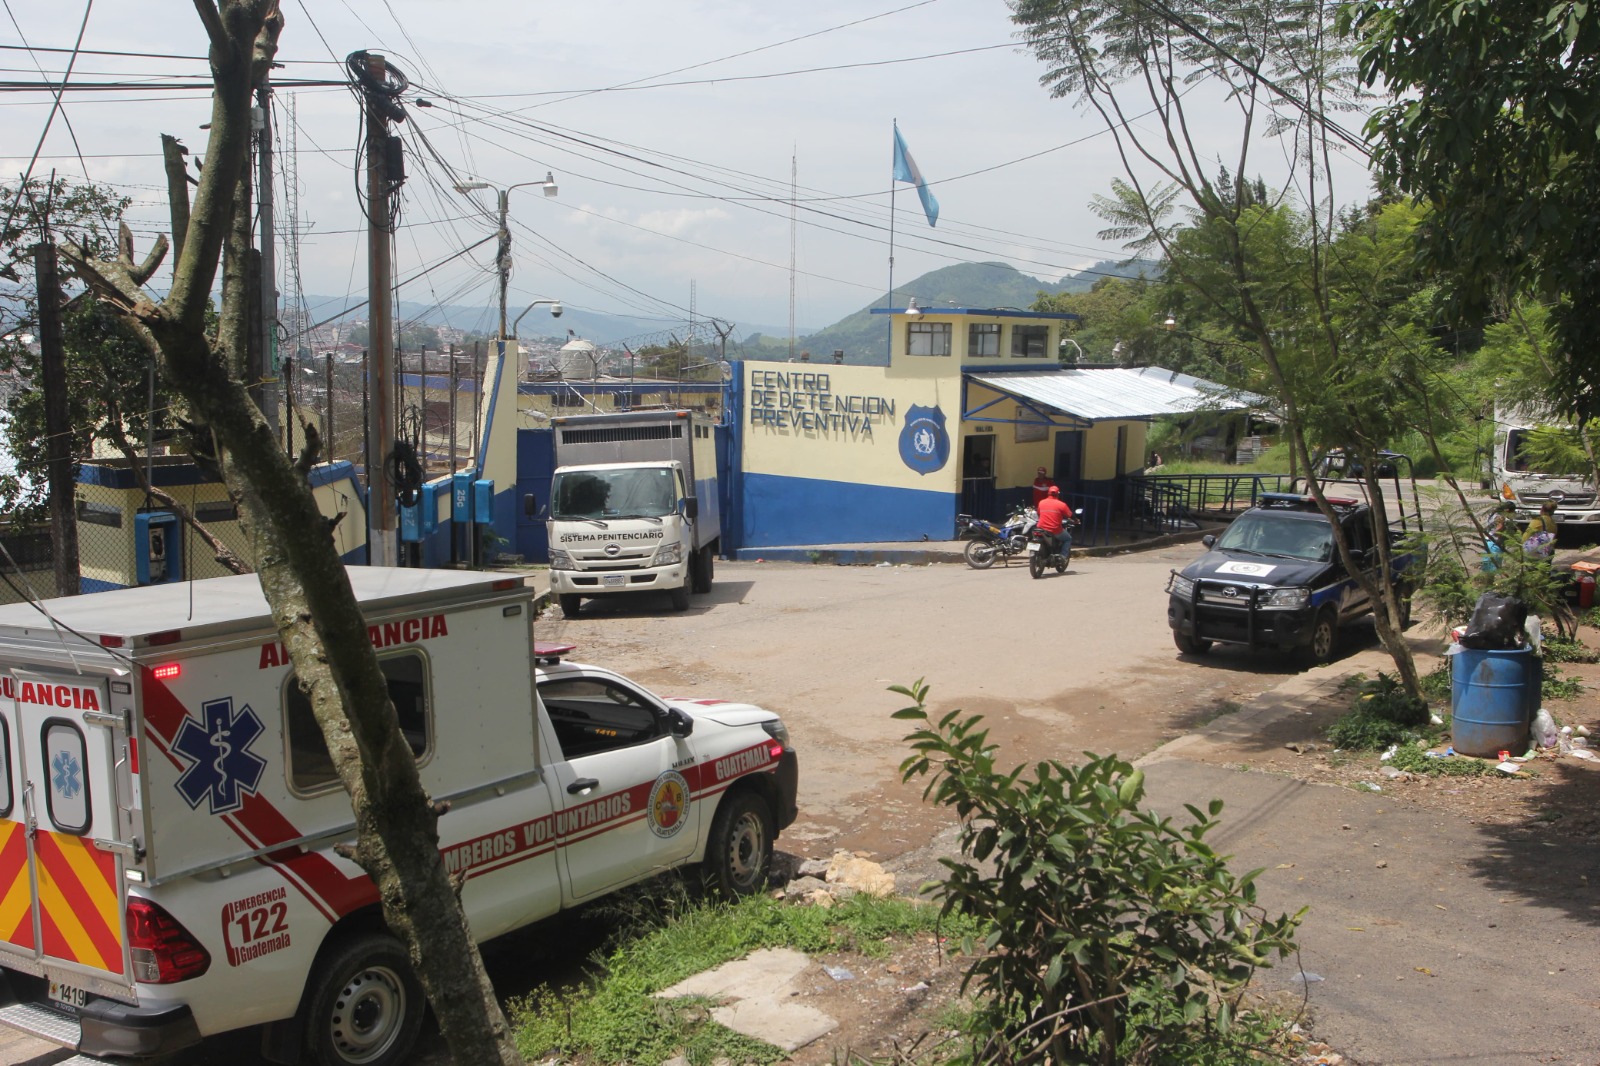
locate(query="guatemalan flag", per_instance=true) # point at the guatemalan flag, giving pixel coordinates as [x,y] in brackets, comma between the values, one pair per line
[905,169]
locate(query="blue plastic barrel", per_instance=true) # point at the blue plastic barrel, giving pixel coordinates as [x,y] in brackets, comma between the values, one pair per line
[1493,698]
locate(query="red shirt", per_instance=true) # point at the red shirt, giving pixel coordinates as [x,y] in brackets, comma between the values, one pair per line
[1041,489]
[1052,514]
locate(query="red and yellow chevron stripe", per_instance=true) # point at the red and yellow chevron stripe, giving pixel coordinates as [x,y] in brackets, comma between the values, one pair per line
[78,914]
[16,898]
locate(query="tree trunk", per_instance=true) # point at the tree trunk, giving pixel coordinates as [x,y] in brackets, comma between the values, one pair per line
[299,569]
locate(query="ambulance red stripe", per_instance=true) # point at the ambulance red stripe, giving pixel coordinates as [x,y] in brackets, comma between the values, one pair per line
[103,929]
[17,898]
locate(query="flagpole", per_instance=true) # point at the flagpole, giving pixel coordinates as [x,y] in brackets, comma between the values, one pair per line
[888,343]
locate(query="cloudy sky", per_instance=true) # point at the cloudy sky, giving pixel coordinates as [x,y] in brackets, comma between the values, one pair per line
[670,129]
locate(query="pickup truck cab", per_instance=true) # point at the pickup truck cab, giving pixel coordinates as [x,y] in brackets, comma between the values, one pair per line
[1274,579]
[172,860]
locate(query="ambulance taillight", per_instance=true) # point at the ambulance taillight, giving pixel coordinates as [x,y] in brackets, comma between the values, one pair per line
[163,950]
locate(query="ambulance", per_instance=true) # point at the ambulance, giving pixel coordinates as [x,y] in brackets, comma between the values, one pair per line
[170,821]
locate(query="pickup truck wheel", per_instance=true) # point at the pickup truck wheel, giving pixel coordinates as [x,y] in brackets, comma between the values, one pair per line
[680,597]
[979,554]
[1405,608]
[366,1006]
[1188,645]
[739,850]
[569,604]
[1324,639]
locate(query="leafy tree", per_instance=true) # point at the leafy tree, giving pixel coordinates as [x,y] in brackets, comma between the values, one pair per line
[108,369]
[301,575]
[1264,271]
[1492,119]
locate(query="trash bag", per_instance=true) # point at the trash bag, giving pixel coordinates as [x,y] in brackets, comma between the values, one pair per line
[1544,733]
[1496,623]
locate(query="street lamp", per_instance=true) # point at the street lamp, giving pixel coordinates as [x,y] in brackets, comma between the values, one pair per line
[502,259]
[1075,344]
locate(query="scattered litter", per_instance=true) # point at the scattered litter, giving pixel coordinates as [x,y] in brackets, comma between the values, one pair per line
[1582,730]
[1393,773]
[1435,719]
[1386,756]
[920,986]
[1423,969]
[1508,768]
[1286,866]
[1370,787]
[1305,977]
[1544,729]
[1583,753]
[1382,863]
[838,973]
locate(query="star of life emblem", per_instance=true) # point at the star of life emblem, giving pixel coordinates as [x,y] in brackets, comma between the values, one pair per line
[68,774]
[222,767]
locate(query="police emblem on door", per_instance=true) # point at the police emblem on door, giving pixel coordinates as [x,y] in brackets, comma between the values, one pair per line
[669,805]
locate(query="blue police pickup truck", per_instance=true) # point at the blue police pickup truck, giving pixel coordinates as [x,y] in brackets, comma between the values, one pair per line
[1274,579]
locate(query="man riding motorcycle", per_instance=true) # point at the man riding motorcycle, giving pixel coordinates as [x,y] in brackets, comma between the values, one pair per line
[1054,517]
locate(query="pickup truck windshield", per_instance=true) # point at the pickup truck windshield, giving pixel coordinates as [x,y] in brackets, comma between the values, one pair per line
[598,494]
[1276,534]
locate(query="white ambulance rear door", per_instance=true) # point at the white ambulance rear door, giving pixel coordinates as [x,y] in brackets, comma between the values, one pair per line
[64,838]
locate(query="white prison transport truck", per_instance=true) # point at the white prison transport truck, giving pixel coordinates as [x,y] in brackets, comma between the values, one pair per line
[633,506]
[169,813]
[1517,479]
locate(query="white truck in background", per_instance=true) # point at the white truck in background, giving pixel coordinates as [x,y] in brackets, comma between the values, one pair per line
[1515,479]
[633,506]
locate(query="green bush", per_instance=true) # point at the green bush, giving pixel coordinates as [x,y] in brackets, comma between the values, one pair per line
[1109,933]
[1559,649]
[1557,686]
[1382,714]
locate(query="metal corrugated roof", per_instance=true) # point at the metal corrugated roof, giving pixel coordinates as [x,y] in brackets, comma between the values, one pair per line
[1098,394]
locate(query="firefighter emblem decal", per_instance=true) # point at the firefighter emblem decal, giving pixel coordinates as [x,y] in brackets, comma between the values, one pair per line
[924,444]
[669,805]
[222,768]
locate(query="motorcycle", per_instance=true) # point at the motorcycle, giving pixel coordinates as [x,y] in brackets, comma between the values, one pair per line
[987,542]
[1042,555]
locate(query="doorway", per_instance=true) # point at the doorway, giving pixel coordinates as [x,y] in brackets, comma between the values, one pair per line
[1069,460]
[977,474]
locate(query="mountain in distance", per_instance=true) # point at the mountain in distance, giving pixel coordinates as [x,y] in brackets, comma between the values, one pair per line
[603,329]
[863,336]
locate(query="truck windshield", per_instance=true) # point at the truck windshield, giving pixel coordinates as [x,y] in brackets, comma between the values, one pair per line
[595,494]
[1274,534]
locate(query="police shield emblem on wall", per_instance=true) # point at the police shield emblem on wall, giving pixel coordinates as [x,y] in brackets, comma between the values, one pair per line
[924,444]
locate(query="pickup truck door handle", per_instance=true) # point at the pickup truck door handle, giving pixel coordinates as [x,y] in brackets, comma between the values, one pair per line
[583,784]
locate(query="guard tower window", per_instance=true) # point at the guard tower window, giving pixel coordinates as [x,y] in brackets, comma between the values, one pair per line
[310,765]
[927,338]
[983,338]
[1029,342]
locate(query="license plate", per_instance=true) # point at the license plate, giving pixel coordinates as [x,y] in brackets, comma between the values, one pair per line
[68,996]
[1034,546]
[614,580]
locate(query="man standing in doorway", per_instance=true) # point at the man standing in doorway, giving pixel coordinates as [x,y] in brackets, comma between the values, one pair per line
[1041,487]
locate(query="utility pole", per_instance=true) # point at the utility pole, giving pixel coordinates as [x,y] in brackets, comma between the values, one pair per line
[502,258]
[382,515]
[57,422]
[269,378]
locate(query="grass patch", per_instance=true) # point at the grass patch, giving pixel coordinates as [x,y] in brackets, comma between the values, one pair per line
[1412,758]
[1557,686]
[613,1017]
[1436,683]
[1558,649]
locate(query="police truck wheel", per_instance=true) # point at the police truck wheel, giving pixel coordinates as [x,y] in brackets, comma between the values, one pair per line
[979,554]
[680,597]
[1189,645]
[1324,639]
[1405,608]
[366,1007]
[569,604]
[739,850]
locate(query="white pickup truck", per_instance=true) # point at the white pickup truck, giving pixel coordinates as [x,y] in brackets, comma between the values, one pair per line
[169,813]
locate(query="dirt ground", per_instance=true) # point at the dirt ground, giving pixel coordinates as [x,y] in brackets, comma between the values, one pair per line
[898,1009]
